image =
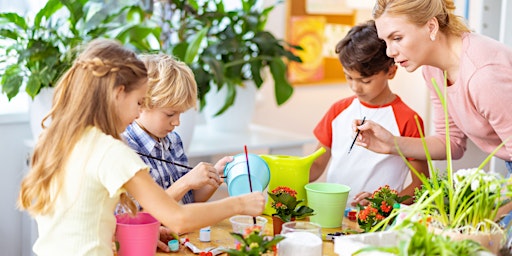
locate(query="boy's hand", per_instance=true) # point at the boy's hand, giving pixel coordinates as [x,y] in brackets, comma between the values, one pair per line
[221,164]
[203,174]
[361,199]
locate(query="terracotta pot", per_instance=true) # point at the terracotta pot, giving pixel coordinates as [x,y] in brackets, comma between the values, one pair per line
[277,224]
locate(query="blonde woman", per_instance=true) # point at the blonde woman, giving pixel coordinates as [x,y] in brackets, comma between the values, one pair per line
[427,34]
[81,168]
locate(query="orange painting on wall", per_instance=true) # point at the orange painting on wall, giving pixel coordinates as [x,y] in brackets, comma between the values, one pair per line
[308,32]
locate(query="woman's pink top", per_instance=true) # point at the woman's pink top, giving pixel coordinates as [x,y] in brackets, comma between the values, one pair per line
[480,101]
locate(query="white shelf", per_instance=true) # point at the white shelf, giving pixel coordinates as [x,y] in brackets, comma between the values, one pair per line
[207,142]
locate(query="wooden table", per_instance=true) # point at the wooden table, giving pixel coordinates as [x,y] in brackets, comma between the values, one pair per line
[220,237]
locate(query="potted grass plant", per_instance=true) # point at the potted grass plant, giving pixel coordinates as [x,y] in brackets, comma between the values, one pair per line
[460,204]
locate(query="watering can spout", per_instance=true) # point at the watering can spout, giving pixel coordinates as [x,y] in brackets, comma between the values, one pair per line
[311,158]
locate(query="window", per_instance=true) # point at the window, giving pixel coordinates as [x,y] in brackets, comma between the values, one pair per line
[20,103]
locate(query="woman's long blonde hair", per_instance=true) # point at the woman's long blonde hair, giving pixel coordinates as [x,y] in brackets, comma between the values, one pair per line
[84,97]
[420,11]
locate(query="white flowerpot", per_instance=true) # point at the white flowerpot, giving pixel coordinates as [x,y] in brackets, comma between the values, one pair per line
[237,117]
[187,127]
[493,241]
[39,108]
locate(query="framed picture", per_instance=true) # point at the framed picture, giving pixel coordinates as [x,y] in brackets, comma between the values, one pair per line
[317,33]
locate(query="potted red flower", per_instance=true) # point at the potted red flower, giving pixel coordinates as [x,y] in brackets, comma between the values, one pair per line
[381,205]
[253,243]
[287,207]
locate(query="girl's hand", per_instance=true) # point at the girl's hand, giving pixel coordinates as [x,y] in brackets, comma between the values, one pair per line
[203,174]
[360,199]
[165,237]
[252,203]
[373,136]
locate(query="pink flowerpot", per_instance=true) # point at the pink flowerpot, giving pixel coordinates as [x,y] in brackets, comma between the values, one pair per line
[137,236]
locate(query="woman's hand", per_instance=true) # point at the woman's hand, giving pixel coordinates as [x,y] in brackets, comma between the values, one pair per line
[360,199]
[374,137]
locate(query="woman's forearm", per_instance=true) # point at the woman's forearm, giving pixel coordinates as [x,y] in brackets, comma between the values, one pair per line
[413,148]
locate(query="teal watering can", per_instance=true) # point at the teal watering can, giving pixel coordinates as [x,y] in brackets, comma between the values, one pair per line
[289,171]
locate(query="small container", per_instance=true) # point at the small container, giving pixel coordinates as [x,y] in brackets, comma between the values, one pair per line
[204,234]
[352,215]
[174,245]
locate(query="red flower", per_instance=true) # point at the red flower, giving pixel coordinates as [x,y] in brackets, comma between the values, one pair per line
[385,207]
[285,190]
[284,201]
[380,207]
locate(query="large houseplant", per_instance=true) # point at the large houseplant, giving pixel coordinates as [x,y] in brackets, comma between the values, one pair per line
[226,48]
[36,51]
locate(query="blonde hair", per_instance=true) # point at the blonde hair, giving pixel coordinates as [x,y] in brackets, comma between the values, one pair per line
[171,83]
[420,11]
[84,97]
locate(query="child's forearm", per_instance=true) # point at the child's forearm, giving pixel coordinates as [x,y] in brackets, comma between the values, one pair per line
[203,194]
[177,190]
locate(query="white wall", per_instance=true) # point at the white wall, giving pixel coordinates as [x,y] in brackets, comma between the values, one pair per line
[13,154]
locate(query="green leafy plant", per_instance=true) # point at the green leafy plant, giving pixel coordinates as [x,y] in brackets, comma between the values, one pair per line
[226,48]
[252,243]
[382,202]
[286,204]
[36,52]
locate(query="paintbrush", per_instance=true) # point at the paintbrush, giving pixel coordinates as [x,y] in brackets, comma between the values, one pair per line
[170,162]
[249,175]
[357,134]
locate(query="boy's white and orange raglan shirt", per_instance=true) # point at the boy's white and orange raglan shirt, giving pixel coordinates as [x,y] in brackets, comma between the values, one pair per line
[83,222]
[362,169]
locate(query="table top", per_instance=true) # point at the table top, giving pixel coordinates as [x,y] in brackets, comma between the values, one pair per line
[220,236]
[210,142]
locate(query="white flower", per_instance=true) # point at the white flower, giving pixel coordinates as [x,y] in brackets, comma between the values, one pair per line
[475,184]
[476,178]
